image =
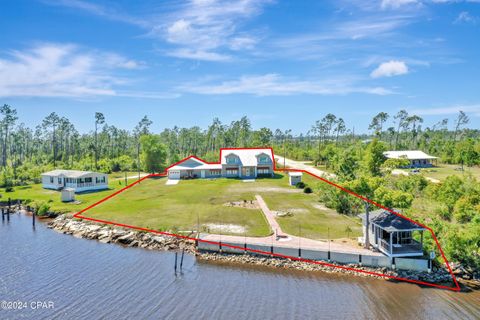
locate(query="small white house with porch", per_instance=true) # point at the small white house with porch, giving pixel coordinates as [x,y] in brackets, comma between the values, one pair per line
[416,158]
[79,181]
[392,235]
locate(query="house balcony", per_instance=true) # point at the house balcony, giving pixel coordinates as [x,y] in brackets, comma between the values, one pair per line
[412,248]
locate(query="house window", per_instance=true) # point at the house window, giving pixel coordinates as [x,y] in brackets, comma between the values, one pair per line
[263,171]
[59,180]
[215,172]
[87,180]
[231,172]
[51,179]
[231,160]
[263,159]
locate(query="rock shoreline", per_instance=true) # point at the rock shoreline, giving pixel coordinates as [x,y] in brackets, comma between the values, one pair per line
[110,234]
[132,238]
[440,276]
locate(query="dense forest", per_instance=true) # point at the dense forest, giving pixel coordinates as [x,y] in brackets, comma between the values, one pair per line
[451,207]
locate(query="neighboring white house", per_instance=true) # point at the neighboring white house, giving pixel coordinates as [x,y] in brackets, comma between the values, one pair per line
[417,158]
[79,181]
[234,163]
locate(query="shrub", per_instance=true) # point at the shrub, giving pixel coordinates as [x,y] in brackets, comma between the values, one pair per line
[444,213]
[300,185]
[307,190]
[41,207]
[9,189]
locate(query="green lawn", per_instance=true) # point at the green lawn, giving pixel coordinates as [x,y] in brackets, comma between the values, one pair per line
[445,170]
[154,205]
[35,192]
[307,216]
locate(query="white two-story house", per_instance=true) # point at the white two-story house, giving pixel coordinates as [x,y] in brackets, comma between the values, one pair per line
[234,163]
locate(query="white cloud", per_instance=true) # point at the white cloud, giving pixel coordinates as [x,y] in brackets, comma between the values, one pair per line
[198,55]
[465,17]
[205,29]
[275,85]
[469,109]
[390,69]
[394,4]
[56,70]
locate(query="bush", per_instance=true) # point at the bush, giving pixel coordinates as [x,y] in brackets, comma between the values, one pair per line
[41,207]
[444,213]
[307,190]
[9,189]
[300,185]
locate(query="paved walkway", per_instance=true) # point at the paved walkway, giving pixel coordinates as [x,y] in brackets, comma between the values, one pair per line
[289,163]
[277,230]
[285,240]
[291,242]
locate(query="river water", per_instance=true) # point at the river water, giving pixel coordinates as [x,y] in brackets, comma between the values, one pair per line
[84,279]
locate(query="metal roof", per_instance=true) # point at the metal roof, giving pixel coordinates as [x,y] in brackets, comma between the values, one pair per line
[69,173]
[408,154]
[248,157]
[391,222]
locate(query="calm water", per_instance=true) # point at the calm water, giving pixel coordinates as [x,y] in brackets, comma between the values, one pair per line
[88,280]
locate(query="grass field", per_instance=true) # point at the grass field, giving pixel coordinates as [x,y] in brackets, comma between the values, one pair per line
[154,205]
[35,192]
[445,170]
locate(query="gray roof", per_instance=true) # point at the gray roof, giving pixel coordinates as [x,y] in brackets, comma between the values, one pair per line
[69,173]
[391,222]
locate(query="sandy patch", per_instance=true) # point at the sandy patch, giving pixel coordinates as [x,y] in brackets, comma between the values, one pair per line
[230,228]
[321,206]
[247,204]
[268,189]
[289,212]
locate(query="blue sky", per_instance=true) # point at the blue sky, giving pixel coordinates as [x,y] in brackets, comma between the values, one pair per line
[284,64]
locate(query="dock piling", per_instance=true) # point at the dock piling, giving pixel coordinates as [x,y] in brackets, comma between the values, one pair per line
[181,259]
[176,257]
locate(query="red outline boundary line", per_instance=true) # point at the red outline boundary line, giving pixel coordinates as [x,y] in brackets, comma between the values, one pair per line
[456,288]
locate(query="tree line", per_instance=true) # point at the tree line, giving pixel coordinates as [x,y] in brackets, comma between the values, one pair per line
[56,143]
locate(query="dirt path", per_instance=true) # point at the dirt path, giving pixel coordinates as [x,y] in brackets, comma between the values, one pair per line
[406,173]
[302,166]
[132,177]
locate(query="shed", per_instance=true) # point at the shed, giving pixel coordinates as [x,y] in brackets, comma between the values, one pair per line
[294,177]
[68,194]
